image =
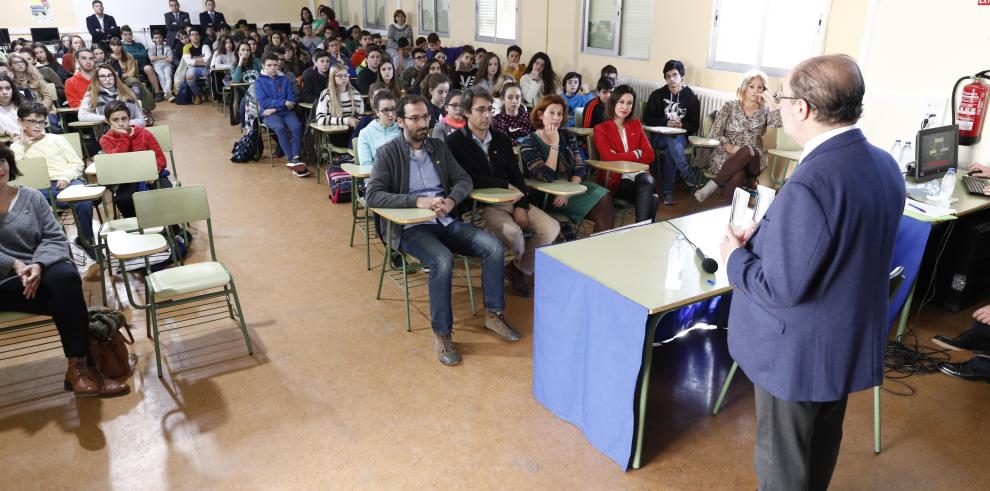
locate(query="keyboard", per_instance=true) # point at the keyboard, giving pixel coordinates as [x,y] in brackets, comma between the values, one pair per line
[975,185]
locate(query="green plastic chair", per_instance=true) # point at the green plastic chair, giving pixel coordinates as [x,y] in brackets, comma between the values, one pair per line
[361,217]
[186,283]
[163,134]
[35,176]
[73,139]
[11,322]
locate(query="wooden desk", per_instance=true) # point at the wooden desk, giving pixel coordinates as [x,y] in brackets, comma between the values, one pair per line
[560,187]
[664,130]
[491,196]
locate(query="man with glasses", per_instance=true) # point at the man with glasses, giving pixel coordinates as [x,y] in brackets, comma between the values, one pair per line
[409,75]
[77,85]
[676,106]
[65,167]
[488,158]
[808,319]
[414,171]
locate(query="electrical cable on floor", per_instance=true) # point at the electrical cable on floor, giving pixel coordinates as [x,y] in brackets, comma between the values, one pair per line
[904,359]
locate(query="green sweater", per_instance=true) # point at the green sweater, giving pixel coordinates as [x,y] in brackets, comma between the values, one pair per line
[30,233]
[237,76]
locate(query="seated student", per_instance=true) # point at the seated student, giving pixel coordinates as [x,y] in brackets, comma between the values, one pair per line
[65,167]
[380,130]
[436,48]
[386,77]
[551,153]
[106,86]
[10,101]
[37,276]
[161,57]
[276,102]
[48,73]
[420,85]
[197,57]
[975,339]
[140,54]
[402,58]
[290,65]
[739,126]
[594,111]
[673,105]
[100,55]
[513,121]
[488,158]
[337,57]
[411,74]
[621,137]
[178,44]
[576,94]
[123,138]
[315,78]
[309,41]
[369,75]
[367,118]
[68,59]
[539,79]
[353,41]
[224,58]
[488,72]
[360,53]
[339,104]
[127,69]
[453,120]
[512,66]
[276,40]
[479,56]
[611,73]
[45,59]
[248,67]
[414,171]
[437,86]
[464,69]
[28,80]
[78,84]
[500,83]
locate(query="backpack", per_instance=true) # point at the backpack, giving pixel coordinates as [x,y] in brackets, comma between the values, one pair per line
[248,148]
[184,96]
[340,184]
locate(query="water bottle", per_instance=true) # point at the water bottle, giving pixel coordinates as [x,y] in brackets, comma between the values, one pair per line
[895,152]
[675,263]
[907,155]
[948,185]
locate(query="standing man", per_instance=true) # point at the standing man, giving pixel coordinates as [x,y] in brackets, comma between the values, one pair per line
[175,21]
[808,322]
[101,27]
[413,171]
[488,158]
[211,18]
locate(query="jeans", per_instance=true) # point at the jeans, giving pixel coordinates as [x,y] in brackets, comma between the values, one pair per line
[60,296]
[289,131]
[435,245]
[123,196]
[674,161]
[84,210]
[192,73]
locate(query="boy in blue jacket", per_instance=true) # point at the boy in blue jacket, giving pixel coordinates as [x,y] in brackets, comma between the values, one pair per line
[276,101]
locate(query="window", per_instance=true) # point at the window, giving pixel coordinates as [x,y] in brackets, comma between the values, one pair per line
[340,11]
[434,16]
[374,14]
[496,21]
[772,35]
[618,27]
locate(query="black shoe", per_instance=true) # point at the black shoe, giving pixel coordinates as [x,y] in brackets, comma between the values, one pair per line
[976,369]
[88,250]
[668,199]
[973,339]
[517,281]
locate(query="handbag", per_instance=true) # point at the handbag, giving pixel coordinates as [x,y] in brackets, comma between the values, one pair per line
[107,342]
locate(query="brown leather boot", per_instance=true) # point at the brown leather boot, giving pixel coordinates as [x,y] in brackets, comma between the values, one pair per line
[110,387]
[79,379]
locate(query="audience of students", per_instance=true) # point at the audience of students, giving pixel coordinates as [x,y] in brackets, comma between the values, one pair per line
[676,106]
[453,118]
[122,137]
[380,130]
[539,79]
[276,104]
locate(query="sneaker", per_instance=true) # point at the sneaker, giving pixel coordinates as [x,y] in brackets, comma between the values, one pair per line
[446,352]
[291,164]
[171,98]
[159,97]
[668,199]
[300,170]
[495,322]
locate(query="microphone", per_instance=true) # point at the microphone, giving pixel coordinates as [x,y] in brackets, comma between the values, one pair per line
[708,264]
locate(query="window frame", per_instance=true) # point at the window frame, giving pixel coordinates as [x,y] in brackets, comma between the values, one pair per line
[585,49]
[376,27]
[342,13]
[427,30]
[713,64]
[495,39]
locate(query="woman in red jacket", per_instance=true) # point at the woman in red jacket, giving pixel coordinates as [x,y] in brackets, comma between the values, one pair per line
[621,137]
[122,138]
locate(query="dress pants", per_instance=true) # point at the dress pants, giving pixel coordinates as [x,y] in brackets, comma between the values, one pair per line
[544,229]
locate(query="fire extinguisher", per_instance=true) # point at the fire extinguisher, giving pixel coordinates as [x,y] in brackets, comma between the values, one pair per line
[972,108]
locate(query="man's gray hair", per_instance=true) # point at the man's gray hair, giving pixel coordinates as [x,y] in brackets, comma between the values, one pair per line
[832,85]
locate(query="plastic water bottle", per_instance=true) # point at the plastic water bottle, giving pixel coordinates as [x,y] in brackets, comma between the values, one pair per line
[948,185]
[895,152]
[907,156]
[676,258]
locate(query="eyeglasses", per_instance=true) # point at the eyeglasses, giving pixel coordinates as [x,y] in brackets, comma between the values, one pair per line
[387,110]
[17,62]
[420,57]
[777,98]
[483,110]
[416,119]
[106,76]
[34,122]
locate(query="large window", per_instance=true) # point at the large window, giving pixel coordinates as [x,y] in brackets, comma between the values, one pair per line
[340,11]
[618,27]
[374,14]
[434,16]
[773,35]
[496,21]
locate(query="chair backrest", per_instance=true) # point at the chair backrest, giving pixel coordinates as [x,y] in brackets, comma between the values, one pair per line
[171,206]
[122,168]
[164,136]
[707,123]
[35,173]
[73,139]
[357,155]
[785,142]
[579,117]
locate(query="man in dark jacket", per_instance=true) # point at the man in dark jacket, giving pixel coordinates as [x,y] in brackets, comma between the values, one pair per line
[488,158]
[676,106]
[211,18]
[101,27]
[175,20]
[316,77]
[414,171]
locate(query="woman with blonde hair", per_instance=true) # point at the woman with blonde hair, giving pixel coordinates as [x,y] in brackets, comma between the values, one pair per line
[339,104]
[739,126]
[105,87]
[27,78]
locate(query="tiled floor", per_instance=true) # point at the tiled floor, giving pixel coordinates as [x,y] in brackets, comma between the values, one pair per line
[338,395]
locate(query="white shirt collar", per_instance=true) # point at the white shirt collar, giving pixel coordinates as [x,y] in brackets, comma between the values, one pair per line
[822,138]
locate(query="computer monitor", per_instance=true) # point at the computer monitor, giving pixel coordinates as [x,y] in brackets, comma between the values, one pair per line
[284,28]
[252,27]
[937,152]
[44,34]
[4,38]
[162,28]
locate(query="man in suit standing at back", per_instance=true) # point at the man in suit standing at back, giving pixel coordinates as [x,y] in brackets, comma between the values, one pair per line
[211,18]
[101,27]
[175,21]
[808,322]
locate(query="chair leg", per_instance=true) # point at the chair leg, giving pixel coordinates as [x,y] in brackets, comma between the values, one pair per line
[876,420]
[470,284]
[405,293]
[725,388]
[385,258]
[271,149]
[354,201]
[367,238]
[240,315]
[153,312]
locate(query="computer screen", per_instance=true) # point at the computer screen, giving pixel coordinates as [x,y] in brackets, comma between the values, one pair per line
[44,34]
[162,28]
[4,38]
[936,152]
[283,28]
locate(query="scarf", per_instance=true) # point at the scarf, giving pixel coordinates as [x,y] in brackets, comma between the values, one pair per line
[454,124]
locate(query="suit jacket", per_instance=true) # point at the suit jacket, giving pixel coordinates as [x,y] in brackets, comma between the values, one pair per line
[174,23]
[609,146]
[109,30]
[218,20]
[808,320]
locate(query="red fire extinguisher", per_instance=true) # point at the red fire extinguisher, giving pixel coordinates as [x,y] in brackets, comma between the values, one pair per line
[972,108]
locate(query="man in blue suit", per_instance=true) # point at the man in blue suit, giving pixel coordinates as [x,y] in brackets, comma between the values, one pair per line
[101,27]
[175,21]
[808,318]
[211,18]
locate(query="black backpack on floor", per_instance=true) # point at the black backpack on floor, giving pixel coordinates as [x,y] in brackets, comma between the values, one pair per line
[248,148]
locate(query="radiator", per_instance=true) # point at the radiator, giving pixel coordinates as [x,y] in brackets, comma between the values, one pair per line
[711,100]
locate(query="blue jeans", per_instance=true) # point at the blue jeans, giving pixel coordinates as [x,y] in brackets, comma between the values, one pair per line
[674,161]
[435,245]
[192,73]
[288,130]
[84,210]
